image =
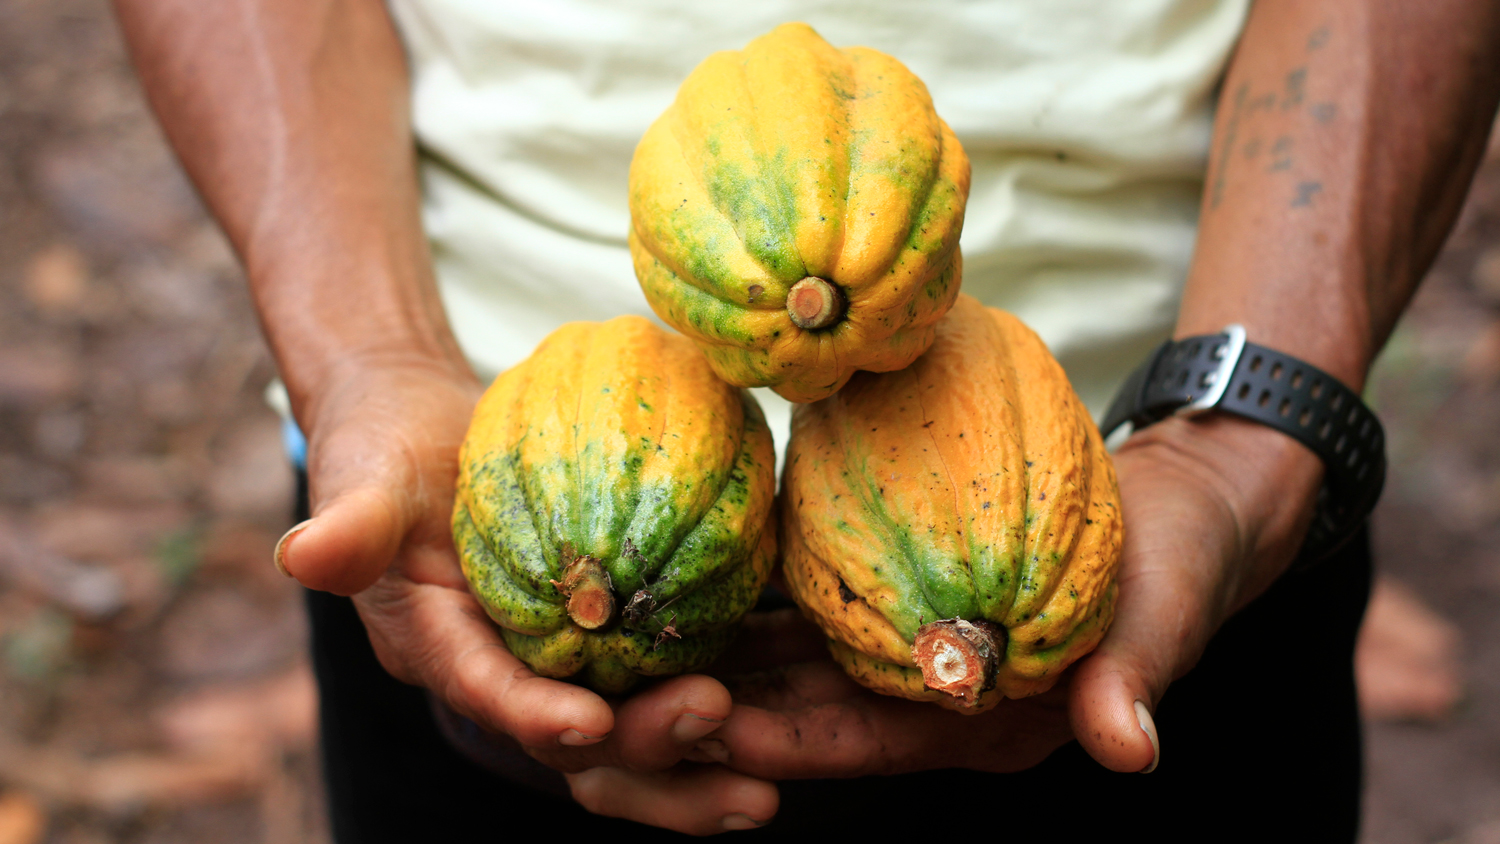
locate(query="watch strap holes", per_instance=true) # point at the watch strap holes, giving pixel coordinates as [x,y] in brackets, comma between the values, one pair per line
[1292,396]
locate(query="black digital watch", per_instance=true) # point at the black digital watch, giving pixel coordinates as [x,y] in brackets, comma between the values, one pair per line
[1224,372]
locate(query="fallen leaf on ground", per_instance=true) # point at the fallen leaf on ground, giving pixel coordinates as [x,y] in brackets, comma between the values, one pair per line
[22,820]
[281,711]
[91,592]
[57,279]
[1407,658]
[1481,364]
[127,782]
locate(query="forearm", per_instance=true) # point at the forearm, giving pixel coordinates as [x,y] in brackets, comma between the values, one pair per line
[291,117]
[1346,138]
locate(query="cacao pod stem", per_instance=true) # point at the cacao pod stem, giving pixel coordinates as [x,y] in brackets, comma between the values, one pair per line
[959,657]
[591,597]
[813,303]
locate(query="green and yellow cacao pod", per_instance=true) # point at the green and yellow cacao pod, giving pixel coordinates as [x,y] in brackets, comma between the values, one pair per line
[954,527]
[796,211]
[614,505]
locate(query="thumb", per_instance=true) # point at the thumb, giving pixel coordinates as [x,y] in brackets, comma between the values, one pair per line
[349,544]
[382,460]
[1110,710]
[1157,634]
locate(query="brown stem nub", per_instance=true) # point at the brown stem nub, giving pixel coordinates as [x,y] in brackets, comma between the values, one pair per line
[959,657]
[813,303]
[591,600]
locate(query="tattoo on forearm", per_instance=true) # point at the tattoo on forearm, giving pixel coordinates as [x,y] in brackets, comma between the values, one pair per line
[1281,154]
[1305,191]
[1296,85]
[1267,112]
[1231,131]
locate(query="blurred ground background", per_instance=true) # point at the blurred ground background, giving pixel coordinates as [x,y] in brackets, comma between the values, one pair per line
[153,687]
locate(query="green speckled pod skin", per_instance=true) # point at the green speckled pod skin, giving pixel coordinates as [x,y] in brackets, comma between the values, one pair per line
[969,486]
[790,161]
[616,442]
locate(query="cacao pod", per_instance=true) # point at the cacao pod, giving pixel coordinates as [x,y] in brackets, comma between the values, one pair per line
[614,505]
[954,528]
[796,211]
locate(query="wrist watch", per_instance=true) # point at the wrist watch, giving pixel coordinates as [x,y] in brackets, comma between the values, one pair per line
[1223,372]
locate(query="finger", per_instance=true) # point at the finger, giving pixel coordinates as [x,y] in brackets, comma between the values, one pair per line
[697,800]
[769,639]
[795,686]
[1157,635]
[654,729]
[439,638]
[349,543]
[881,735]
[382,464]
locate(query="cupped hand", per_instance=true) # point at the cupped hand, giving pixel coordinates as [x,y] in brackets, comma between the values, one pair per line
[382,462]
[1214,510]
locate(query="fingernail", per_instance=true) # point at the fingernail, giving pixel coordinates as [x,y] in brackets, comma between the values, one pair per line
[281,544]
[741,821]
[573,738]
[690,727]
[711,750]
[1148,726]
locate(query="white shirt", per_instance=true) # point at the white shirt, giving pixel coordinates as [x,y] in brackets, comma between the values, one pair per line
[1087,123]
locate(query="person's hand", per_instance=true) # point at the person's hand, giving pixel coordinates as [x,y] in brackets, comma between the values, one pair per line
[797,715]
[1214,510]
[810,720]
[383,458]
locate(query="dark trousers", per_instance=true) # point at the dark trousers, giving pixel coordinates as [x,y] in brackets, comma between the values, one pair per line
[1260,742]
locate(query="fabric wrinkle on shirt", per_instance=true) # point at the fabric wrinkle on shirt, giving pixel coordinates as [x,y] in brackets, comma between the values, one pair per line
[1087,123]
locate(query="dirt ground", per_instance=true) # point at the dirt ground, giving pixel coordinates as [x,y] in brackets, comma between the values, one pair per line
[153,686]
[1437,388]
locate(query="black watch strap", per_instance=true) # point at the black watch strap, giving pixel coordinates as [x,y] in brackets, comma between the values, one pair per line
[1225,372]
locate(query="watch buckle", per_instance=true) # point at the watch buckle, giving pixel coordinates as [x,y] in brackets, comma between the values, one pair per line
[1217,381]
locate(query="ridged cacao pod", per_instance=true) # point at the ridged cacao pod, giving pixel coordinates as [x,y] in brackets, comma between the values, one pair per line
[614,505]
[954,527]
[796,211]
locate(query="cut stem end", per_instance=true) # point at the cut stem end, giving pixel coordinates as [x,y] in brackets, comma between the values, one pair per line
[958,657]
[813,303]
[591,598]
